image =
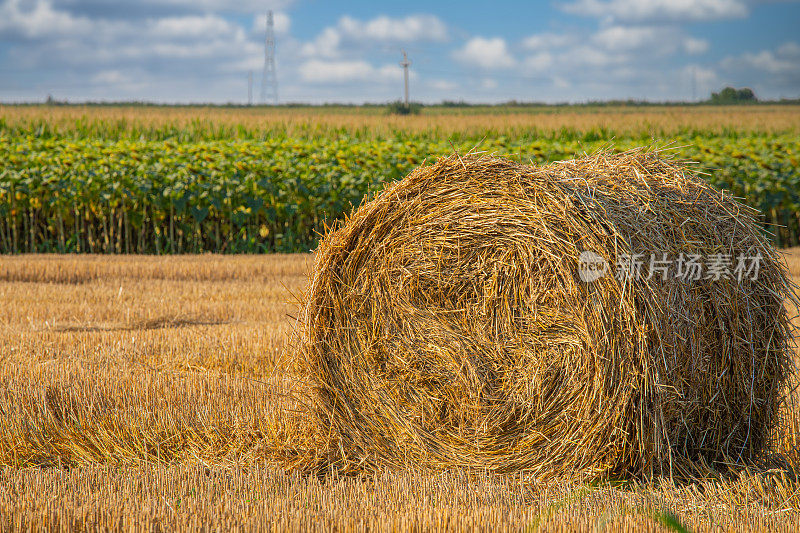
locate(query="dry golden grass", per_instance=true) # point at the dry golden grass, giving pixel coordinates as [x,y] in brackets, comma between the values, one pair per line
[622,120]
[234,497]
[123,358]
[142,393]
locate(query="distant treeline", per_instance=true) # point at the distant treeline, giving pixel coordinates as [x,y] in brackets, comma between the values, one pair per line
[727,96]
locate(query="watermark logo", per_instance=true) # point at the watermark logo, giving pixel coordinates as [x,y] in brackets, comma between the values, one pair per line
[684,267]
[591,266]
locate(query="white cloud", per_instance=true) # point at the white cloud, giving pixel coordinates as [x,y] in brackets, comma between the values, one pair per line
[589,56]
[659,10]
[194,27]
[443,85]
[561,83]
[325,45]
[240,6]
[538,62]
[623,38]
[117,58]
[336,71]
[317,71]
[693,46]
[393,72]
[622,59]
[789,50]
[770,73]
[485,53]
[616,61]
[705,79]
[94,48]
[351,33]
[38,19]
[697,81]
[783,62]
[211,49]
[615,45]
[111,77]
[657,40]
[546,41]
[414,28]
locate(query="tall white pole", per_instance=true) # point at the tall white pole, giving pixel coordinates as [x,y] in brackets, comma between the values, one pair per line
[405,63]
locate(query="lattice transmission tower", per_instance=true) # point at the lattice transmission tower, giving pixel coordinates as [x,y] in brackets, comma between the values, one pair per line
[269,80]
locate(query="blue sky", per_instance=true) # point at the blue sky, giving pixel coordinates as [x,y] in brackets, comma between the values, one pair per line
[570,51]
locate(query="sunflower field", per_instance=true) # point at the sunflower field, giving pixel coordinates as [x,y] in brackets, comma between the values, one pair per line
[63,193]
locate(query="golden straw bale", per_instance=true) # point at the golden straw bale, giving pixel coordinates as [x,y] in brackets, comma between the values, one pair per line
[448,323]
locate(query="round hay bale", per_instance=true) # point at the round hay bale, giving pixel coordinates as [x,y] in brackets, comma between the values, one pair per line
[480,313]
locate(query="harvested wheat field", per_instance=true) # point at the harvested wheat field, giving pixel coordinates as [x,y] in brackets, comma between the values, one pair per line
[144,393]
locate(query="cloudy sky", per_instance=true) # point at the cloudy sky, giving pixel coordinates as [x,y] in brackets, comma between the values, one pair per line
[348,51]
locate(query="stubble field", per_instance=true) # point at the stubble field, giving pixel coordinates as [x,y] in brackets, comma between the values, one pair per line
[154,393]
